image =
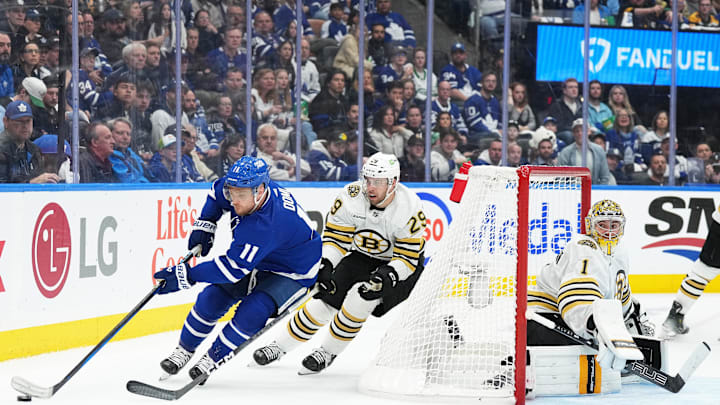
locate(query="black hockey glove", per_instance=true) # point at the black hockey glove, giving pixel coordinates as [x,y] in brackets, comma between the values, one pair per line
[382,281]
[203,234]
[325,281]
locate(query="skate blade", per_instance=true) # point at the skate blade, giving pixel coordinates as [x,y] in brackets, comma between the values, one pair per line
[306,371]
[164,376]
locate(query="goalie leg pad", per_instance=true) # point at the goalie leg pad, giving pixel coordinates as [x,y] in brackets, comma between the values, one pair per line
[569,370]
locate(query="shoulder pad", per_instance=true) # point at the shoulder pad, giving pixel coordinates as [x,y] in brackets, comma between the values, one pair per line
[587,242]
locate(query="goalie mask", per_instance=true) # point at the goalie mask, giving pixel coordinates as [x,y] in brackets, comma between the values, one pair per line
[248,172]
[381,166]
[605,223]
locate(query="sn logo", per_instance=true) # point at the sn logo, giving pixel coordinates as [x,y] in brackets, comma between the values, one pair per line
[595,43]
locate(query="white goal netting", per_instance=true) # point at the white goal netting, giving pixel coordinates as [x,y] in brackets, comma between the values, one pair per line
[456,334]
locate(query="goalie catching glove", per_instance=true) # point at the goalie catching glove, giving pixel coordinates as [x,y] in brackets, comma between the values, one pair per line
[174,278]
[382,281]
[203,234]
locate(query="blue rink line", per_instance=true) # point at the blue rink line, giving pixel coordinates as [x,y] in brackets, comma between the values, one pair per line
[697,391]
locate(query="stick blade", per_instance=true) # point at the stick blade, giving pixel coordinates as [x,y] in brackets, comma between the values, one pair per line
[28,388]
[140,388]
[698,355]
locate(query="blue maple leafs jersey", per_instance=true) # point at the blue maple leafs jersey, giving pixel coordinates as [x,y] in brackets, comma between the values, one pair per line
[279,237]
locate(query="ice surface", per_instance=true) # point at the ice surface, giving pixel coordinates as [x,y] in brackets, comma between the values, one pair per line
[102,380]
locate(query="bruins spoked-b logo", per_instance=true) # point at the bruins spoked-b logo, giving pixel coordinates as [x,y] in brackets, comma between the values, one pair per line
[371,242]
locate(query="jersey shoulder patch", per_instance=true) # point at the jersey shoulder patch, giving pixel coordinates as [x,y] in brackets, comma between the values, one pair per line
[587,242]
[353,190]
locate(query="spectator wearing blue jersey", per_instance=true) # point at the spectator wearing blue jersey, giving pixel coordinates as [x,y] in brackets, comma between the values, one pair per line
[86,86]
[482,112]
[325,158]
[624,137]
[220,60]
[265,270]
[320,9]
[396,70]
[120,105]
[220,126]
[335,28]
[7,87]
[400,32]
[284,13]
[126,164]
[264,40]
[463,78]
[442,103]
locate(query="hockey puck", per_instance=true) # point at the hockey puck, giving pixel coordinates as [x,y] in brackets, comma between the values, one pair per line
[24,398]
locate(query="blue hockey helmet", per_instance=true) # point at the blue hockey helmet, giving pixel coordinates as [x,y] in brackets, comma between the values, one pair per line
[248,172]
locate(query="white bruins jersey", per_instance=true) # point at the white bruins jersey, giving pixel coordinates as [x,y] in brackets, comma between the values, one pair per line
[394,233]
[581,274]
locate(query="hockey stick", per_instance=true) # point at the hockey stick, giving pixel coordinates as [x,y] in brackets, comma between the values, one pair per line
[28,388]
[141,388]
[671,383]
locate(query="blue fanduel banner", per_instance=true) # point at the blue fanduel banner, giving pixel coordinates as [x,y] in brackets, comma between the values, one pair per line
[628,56]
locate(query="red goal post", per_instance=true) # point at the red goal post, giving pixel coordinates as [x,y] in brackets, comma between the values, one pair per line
[464,323]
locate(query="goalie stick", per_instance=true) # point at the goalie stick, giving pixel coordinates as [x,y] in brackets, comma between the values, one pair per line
[28,388]
[141,388]
[671,383]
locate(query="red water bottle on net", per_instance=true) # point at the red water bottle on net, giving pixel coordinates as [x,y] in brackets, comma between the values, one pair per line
[461,178]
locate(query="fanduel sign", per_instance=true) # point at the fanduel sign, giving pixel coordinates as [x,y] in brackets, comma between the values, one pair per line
[628,56]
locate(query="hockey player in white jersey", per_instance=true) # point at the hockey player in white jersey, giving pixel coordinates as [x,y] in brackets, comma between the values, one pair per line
[590,271]
[372,257]
[703,270]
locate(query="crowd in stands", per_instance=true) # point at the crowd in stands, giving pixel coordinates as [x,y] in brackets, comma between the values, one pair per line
[127,97]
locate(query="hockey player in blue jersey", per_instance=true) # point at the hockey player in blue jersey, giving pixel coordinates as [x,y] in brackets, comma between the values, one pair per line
[272,260]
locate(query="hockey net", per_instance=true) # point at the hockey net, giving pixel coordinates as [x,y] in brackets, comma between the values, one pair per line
[464,323]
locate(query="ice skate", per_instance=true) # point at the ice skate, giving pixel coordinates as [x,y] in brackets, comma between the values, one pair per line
[268,354]
[173,363]
[675,322]
[206,365]
[316,361]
